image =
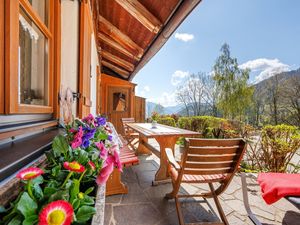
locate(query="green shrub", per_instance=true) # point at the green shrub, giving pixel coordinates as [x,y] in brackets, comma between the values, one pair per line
[185,123]
[278,145]
[169,121]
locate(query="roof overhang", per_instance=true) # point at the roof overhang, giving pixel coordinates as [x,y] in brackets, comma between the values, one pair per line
[130,32]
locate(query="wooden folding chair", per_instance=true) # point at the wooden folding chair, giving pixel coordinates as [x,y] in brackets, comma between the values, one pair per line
[205,161]
[130,136]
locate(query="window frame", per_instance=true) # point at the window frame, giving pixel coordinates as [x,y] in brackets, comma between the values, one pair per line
[12,11]
[2,57]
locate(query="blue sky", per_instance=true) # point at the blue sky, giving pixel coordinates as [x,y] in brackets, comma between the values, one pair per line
[264,35]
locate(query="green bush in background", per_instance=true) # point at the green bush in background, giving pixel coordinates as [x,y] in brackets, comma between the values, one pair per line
[169,121]
[278,145]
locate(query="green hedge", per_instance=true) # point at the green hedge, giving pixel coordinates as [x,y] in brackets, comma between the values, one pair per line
[210,127]
[167,121]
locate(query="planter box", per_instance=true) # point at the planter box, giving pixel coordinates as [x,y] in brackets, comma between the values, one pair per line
[98,218]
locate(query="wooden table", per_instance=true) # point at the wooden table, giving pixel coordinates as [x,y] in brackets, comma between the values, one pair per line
[166,137]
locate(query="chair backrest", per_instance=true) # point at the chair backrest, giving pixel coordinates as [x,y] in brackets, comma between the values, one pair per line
[125,121]
[212,156]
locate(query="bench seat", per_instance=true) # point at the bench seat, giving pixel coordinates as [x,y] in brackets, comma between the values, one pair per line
[128,158]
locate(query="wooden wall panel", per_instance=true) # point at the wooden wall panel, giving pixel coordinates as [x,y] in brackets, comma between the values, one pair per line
[140,109]
[108,83]
[2,57]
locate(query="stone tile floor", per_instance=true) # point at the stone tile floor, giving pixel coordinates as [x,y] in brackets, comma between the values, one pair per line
[145,204]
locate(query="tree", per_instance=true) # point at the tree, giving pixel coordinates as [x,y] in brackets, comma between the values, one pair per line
[291,95]
[273,98]
[235,95]
[194,94]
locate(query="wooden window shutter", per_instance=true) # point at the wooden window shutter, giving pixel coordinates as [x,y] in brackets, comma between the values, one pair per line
[86,30]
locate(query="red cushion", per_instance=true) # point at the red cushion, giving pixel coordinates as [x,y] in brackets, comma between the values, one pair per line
[277,185]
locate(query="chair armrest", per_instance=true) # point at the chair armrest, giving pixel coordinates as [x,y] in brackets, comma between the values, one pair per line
[171,159]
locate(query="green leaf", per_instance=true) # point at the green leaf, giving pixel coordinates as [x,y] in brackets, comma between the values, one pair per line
[49,191]
[74,190]
[84,213]
[38,180]
[87,200]
[60,145]
[59,195]
[26,205]
[55,170]
[83,157]
[37,191]
[30,220]
[76,204]
[89,190]
[16,220]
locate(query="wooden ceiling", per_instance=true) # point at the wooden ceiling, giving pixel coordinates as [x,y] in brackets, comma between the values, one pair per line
[130,32]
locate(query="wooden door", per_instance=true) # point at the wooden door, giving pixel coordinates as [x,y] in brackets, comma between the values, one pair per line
[139,109]
[86,30]
[118,105]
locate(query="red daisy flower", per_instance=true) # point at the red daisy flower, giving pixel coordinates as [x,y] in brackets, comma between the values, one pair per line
[74,166]
[92,165]
[56,213]
[29,173]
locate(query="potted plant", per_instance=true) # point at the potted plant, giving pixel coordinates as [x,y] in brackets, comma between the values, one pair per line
[154,118]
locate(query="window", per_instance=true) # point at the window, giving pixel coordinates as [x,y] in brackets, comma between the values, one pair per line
[119,102]
[30,61]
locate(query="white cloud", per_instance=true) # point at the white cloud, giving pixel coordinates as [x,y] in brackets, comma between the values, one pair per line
[178,76]
[265,67]
[184,37]
[142,92]
[166,99]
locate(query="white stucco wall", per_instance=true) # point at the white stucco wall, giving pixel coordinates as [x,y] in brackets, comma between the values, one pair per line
[94,62]
[69,46]
[70,52]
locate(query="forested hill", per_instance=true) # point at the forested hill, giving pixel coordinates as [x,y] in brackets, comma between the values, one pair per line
[280,79]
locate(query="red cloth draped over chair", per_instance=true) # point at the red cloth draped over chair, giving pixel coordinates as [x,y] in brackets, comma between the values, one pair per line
[277,185]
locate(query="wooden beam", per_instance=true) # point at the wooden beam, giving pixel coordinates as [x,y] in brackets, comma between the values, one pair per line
[118,70]
[121,62]
[138,11]
[117,46]
[119,36]
[183,10]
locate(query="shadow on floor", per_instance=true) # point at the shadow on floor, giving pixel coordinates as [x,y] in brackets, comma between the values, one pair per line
[145,204]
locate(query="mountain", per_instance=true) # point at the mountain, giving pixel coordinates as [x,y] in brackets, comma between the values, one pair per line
[281,78]
[151,106]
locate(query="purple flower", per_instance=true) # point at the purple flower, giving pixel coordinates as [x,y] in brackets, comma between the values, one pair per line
[85,143]
[101,121]
[109,138]
[89,132]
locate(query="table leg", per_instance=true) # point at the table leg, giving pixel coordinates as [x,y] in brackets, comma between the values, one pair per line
[142,149]
[162,175]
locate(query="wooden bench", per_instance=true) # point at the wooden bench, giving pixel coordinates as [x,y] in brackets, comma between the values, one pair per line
[128,158]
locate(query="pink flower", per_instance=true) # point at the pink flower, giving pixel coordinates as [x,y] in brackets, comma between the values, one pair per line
[116,157]
[77,138]
[92,165]
[74,166]
[29,173]
[59,212]
[105,173]
[117,161]
[102,149]
[89,119]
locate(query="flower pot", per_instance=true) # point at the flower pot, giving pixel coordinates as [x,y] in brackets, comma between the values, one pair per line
[154,124]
